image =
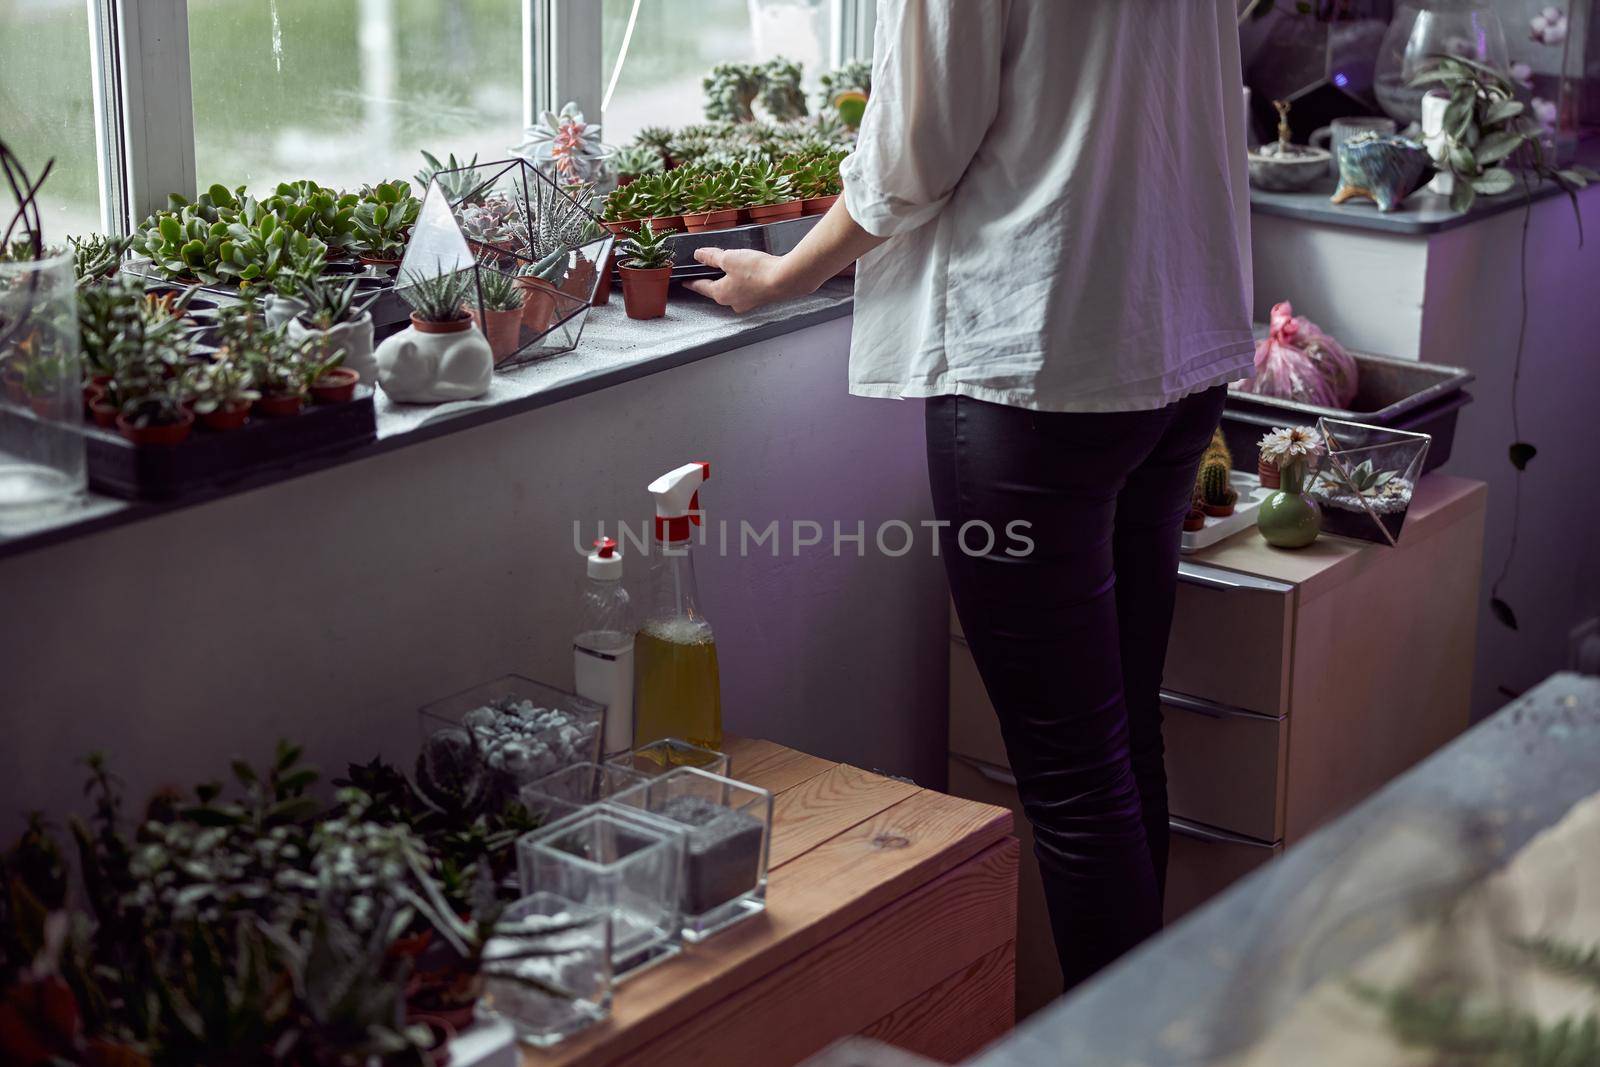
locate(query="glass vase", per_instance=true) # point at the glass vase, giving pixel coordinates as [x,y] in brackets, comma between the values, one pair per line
[43,469]
[1424,30]
[1365,482]
[565,792]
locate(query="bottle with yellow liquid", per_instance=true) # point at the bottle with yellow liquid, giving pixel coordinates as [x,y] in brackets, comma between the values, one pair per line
[676,690]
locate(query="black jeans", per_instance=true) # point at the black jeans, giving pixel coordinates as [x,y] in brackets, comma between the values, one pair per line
[1070,638]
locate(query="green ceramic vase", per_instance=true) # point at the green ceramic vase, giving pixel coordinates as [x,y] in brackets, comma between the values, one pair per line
[1288,518]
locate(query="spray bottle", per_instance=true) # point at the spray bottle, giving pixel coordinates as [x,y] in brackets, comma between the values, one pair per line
[676,692]
[602,652]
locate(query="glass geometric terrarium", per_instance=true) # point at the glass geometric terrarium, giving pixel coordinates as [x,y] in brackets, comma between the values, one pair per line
[1366,480]
[534,250]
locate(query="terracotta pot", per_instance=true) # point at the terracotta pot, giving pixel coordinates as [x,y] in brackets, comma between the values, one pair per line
[442,1033]
[1217,511]
[580,277]
[538,303]
[1270,478]
[229,417]
[711,220]
[625,228]
[337,386]
[280,405]
[45,407]
[461,325]
[14,388]
[167,433]
[625,180]
[503,329]
[377,261]
[602,292]
[644,292]
[1194,520]
[103,414]
[411,946]
[92,392]
[818,205]
[664,223]
[789,209]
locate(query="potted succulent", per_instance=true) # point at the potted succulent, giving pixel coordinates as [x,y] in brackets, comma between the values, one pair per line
[329,382]
[45,377]
[96,257]
[280,375]
[539,282]
[158,416]
[1194,520]
[383,219]
[334,317]
[222,393]
[768,193]
[327,215]
[781,94]
[497,310]
[565,147]
[493,225]
[712,202]
[1217,497]
[817,181]
[439,356]
[646,270]
[657,139]
[731,90]
[624,209]
[458,181]
[635,161]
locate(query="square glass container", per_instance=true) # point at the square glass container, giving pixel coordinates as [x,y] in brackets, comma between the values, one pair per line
[1365,481]
[522,730]
[727,829]
[547,969]
[610,859]
[659,757]
[555,796]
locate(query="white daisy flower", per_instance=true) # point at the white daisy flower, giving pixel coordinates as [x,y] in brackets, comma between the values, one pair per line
[1291,443]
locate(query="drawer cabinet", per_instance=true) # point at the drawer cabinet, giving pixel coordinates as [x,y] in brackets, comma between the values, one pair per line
[1269,731]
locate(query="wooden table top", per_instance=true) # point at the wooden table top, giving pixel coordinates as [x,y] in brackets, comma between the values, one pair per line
[845,843]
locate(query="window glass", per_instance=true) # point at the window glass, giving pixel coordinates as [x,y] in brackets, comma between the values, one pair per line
[46,110]
[348,91]
[676,42]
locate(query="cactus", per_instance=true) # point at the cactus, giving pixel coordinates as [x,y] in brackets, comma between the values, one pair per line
[1217,451]
[731,90]
[1214,487]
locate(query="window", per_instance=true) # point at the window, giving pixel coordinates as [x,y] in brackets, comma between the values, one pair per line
[675,42]
[348,92]
[45,96]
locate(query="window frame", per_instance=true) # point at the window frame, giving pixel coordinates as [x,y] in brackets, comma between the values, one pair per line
[144,104]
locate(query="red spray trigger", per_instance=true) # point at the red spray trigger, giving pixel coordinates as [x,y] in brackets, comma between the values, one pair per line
[694,508]
[607,547]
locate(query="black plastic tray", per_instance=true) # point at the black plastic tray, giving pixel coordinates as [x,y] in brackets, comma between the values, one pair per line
[209,459]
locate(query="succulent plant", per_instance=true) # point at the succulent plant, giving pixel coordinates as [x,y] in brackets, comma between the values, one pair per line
[497,220]
[277,365]
[436,298]
[330,302]
[781,94]
[564,142]
[383,215]
[713,190]
[855,76]
[97,256]
[316,211]
[648,249]
[183,243]
[815,174]
[117,327]
[636,160]
[1362,480]
[459,182]
[261,248]
[157,403]
[557,223]
[731,90]
[657,139]
[498,291]
[764,183]
[625,203]
[220,384]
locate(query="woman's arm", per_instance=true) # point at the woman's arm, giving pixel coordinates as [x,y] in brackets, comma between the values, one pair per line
[752,279]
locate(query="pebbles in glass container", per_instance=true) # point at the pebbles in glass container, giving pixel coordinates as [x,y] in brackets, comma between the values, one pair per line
[547,969]
[727,832]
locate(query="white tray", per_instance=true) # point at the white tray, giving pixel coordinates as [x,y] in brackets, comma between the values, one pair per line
[1248,486]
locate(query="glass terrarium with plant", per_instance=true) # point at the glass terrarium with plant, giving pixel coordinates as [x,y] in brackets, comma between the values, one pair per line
[522,228]
[1367,478]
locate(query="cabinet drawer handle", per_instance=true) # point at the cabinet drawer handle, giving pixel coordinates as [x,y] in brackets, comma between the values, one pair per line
[1210,709]
[995,774]
[1200,832]
[1201,578]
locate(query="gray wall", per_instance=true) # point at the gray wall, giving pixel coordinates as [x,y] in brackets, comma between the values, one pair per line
[328,608]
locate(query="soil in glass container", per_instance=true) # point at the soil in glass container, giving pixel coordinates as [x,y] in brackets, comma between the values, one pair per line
[724,851]
[677,693]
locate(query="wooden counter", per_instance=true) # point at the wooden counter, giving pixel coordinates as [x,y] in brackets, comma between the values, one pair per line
[891,912]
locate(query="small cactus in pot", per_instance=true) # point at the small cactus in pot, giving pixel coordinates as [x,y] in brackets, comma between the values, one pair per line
[1217,495]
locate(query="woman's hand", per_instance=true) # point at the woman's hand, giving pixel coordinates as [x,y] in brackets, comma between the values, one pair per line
[750,279]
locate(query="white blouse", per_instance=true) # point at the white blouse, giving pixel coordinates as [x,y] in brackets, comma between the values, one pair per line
[1064,183]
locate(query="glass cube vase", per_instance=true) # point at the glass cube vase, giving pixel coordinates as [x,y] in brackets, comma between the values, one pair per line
[555,796]
[512,731]
[1365,481]
[611,859]
[547,968]
[659,757]
[43,466]
[727,829]
[509,225]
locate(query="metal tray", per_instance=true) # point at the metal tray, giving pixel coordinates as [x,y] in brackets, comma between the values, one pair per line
[774,238]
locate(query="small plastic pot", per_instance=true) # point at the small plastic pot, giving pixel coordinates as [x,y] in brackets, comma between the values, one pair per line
[763,213]
[337,386]
[280,405]
[1270,476]
[458,325]
[103,414]
[625,228]
[229,417]
[1217,511]
[666,223]
[704,221]
[644,292]
[440,1034]
[818,205]
[45,407]
[166,433]
[378,261]
[1194,520]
